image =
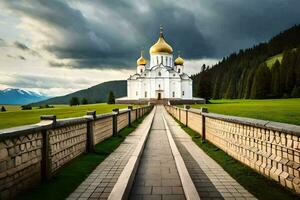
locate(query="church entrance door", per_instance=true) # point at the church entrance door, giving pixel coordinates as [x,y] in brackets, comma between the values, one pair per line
[159,96]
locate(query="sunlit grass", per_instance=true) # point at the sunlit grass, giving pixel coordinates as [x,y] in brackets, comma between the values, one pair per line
[279,110]
[16,117]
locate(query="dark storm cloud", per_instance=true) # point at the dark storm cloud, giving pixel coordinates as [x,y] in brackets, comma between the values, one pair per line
[21,57]
[16,57]
[110,34]
[23,47]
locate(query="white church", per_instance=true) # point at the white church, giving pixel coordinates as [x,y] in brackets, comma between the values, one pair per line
[162,81]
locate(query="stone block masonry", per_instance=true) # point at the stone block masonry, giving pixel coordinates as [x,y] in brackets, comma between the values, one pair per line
[29,154]
[270,148]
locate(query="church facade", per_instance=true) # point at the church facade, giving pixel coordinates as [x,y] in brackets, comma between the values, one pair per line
[162,79]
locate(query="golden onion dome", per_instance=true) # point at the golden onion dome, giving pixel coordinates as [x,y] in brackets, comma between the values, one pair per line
[141,60]
[179,60]
[161,46]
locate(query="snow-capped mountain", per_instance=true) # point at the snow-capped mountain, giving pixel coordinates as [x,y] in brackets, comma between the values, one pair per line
[20,96]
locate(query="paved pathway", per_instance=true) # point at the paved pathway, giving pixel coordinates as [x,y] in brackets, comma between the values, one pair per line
[100,182]
[211,181]
[157,176]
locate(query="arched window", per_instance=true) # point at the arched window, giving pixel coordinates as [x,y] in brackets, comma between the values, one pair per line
[173,94]
[141,70]
[182,93]
[161,60]
[179,70]
[159,86]
[159,73]
[136,93]
[166,61]
[157,60]
[145,94]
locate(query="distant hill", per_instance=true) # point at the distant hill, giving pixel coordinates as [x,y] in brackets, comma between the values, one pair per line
[95,94]
[267,70]
[19,96]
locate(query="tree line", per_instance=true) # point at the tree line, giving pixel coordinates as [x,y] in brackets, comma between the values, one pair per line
[246,75]
[74,101]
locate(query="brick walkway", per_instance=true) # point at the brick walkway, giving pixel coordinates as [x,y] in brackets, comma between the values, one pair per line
[157,176]
[211,181]
[100,182]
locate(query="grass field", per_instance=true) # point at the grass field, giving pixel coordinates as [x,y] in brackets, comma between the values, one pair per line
[16,117]
[279,110]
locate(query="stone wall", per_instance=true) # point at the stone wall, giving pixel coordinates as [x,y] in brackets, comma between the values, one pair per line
[66,143]
[32,153]
[164,101]
[270,148]
[133,115]
[122,120]
[103,128]
[20,162]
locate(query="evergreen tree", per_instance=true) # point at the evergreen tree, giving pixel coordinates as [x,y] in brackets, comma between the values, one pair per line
[26,107]
[3,109]
[249,84]
[111,98]
[275,84]
[297,67]
[290,68]
[204,85]
[74,101]
[296,92]
[203,68]
[84,101]
[261,83]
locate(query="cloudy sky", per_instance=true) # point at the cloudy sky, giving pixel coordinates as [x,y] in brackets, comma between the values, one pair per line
[57,47]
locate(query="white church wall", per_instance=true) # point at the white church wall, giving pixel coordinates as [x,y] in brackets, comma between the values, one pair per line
[156,59]
[187,88]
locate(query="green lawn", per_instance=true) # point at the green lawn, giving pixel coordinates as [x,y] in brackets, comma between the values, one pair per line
[15,117]
[279,110]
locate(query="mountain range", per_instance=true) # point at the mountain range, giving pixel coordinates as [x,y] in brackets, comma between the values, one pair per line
[20,96]
[95,94]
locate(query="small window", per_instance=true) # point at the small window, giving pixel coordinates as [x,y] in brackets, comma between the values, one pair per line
[145,74]
[141,70]
[159,73]
[156,59]
[179,70]
[146,94]
[136,93]
[166,61]
[173,94]
[173,74]
[159,86]
[182,93]
[161,60]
